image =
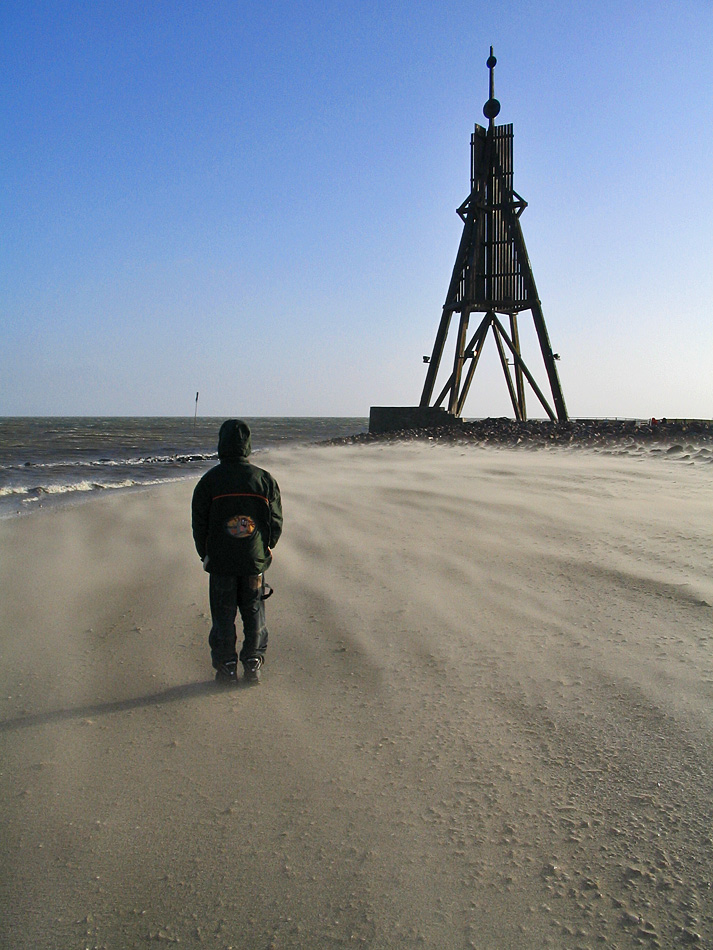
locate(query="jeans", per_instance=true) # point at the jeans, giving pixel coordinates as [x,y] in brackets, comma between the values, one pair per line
[228,594]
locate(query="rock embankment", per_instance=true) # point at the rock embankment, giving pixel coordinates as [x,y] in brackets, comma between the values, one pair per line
[671,436]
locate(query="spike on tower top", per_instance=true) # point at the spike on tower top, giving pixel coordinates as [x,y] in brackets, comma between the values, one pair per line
[491,109]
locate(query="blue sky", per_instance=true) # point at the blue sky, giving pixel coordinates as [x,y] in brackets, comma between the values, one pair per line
[257,200]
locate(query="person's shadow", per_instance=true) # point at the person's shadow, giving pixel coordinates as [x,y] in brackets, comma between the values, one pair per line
[171,695]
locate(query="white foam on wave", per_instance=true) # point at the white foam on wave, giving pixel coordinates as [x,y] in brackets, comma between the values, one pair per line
[37,492]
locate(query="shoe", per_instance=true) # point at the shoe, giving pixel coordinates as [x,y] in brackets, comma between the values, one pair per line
[227,672]
[252,669]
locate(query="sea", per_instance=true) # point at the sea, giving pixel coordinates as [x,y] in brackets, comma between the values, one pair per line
[58,461]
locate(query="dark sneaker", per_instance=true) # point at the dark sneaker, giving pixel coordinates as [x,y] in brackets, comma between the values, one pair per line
[252,669]
[227,672]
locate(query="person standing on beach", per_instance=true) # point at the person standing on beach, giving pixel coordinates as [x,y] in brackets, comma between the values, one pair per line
[237,520]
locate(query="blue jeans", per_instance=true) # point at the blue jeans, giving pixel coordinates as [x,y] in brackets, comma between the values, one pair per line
[228,594]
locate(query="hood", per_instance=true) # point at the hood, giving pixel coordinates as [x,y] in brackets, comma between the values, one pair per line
[234,440]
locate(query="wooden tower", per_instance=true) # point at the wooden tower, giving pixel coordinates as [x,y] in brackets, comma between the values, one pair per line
[492,275]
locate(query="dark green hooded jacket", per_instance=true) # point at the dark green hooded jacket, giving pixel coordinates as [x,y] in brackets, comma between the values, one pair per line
[237,510]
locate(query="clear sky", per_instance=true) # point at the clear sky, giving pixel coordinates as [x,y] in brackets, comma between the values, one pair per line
[257,200]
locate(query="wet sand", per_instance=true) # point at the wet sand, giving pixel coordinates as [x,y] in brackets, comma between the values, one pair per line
[486,720]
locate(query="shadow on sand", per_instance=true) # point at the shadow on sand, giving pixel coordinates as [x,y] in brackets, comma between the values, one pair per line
[172,695]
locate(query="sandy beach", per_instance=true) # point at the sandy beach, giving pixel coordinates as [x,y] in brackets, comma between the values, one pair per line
[486,719]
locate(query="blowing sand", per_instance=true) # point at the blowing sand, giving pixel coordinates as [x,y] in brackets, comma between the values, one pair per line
[486,719]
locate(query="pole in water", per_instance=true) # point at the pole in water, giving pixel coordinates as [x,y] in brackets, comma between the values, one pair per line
[195,414]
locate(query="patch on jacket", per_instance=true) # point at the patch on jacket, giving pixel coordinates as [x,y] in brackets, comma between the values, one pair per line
[240,526]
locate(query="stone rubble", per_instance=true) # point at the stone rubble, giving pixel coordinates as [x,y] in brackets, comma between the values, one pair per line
[669,436]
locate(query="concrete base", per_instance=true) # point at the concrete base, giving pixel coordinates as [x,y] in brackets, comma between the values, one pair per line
[394,418]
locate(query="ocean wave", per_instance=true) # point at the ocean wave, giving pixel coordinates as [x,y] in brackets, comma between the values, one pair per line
[33,493]
[61,463]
